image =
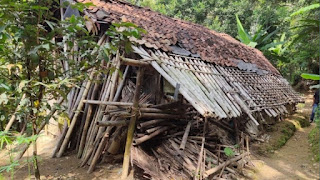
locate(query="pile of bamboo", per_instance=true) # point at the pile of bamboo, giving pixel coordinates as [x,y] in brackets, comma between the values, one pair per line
[187,154]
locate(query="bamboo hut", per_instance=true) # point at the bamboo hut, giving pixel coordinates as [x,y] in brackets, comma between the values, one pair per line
[186,93]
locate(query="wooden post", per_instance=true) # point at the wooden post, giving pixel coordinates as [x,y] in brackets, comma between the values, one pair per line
[132,125]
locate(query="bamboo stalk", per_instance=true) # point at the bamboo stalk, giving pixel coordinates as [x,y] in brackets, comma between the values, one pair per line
[75,117]
[113,123]
[13,117]
[151,130]
[160,115]
[112,103]
[120,87]
[147,137]
[225,164]
[132,124]
[185,136]
[133,62]
[200,159]
[150,123]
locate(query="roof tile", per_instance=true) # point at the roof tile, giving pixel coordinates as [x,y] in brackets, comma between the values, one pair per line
[164,31]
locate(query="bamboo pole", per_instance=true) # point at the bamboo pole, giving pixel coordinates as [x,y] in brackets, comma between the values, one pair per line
[185,136]
[120,87]
[147,137]
[132,62]
[13,117]
[225,164]
[200,159]
[150,123]
[75,117]
[112,103]
[132,124]
[113,123]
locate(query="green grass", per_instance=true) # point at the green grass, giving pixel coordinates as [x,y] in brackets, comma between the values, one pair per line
[314,141]
[281,133]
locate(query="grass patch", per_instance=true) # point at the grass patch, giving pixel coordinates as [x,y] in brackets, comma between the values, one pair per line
[303,122]
[314,141]
[279,135]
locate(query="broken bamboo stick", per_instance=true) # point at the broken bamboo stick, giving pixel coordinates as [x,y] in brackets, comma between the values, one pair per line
[185,137]
[225,164]
[147,137]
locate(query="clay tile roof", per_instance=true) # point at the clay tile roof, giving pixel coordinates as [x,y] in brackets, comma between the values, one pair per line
[163,31]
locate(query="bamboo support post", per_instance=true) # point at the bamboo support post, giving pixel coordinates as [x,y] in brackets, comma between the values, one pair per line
[132,124]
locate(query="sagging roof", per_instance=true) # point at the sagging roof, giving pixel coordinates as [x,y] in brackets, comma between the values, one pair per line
[222,92]
[168,34]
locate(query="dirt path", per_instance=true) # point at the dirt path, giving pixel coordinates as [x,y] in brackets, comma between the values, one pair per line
[294,160]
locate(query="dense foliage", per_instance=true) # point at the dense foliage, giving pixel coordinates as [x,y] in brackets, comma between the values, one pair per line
[295,38]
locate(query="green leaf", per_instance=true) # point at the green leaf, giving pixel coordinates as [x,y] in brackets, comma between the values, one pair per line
[310,76]
[305,9]
[3,27]
[228,152]
[270,45]
[252,44]
[243,35]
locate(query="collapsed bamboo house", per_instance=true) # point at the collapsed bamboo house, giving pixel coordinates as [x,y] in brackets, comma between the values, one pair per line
[186,93]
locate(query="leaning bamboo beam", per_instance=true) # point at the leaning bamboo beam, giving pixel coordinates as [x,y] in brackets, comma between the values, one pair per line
[112,103]
[225,164]
[113,123]
[13,117]
[132,124]
[75,117]
[87,120]
[185,136]
[120,87]
[132,62]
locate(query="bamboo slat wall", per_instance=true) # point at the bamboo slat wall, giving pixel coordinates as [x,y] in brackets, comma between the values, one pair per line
[222,92]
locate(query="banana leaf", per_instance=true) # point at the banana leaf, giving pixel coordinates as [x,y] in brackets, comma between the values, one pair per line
[310,76]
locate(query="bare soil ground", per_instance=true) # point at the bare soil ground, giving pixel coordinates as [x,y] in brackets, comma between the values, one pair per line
[294,160]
